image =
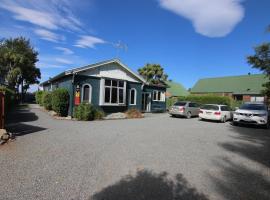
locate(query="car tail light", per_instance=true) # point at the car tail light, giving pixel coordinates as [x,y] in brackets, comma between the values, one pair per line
[182,109]
[217,113]
[200,111]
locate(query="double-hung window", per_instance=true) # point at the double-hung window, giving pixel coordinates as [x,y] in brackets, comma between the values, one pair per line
[158,96]
[114,92]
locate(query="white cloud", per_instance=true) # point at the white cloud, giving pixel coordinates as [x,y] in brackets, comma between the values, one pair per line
[87,41]
[49,35]
[63,61]
[65,51]
[212,18]
[49,14]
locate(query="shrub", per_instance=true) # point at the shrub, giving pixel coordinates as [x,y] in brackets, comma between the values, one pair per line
[212,99]
[207,99]
[235,104]
[87,112]
[38,96]
[84,112]
[47,100]
[60,101]
[134,113]
[98,114]
[170,102]
[10,98]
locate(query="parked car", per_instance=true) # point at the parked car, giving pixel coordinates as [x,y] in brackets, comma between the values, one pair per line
[252,113]
[215,112]
[184,108]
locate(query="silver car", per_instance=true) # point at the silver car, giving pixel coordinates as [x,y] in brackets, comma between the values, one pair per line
[185,108]
[252,113]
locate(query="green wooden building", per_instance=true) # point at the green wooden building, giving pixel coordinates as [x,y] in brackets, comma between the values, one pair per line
[243,88]
[110,85]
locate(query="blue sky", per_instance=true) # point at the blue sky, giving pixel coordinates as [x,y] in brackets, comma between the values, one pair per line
[191,39]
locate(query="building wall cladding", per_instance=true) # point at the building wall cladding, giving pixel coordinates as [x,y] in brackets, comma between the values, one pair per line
[138,88]
[65,82]
[156,106]
[70,83]
[80,80]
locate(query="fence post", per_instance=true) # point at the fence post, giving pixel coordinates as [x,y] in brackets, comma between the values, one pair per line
[2,110]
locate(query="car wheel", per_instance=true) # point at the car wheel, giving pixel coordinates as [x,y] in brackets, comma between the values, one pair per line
[189,115]
[224,119]
[266,126]
[172,115]
[234,123]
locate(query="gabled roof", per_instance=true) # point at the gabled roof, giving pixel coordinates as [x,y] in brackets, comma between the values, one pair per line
[93,66]
[176,89]
[245,84]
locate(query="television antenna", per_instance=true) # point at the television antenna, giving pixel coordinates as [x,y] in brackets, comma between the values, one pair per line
[120,46]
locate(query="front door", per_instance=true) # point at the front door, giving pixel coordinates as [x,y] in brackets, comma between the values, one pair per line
[146,102]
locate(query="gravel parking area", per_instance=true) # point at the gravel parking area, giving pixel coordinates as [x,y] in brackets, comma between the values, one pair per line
[155,158]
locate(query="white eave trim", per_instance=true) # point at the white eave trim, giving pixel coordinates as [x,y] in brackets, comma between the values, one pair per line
[109,62]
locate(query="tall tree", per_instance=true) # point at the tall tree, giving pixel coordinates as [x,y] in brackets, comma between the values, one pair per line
[18,63]
[261,61]
[153,73]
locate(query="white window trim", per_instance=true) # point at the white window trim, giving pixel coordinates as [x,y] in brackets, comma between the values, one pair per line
[124,94]
[90,92]
[135,97]
[162,96]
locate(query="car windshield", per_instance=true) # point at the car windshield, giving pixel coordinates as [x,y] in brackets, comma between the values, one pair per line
[249,106]
[180,103]
[210,107]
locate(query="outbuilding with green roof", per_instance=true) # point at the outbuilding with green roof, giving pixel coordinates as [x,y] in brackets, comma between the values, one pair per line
[245,88]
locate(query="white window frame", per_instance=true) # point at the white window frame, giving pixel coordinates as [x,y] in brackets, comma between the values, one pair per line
[135,96]
[90,92]
[162,96]
[118,88]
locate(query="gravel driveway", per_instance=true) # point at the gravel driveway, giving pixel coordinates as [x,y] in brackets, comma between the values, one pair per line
[155,158]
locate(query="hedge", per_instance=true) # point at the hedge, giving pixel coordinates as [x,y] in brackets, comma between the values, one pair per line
[87,112]
[60,101]
[38,96]
[206,99]
[47,100]
[10,98]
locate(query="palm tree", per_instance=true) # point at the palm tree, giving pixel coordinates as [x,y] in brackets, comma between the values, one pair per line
[153,73]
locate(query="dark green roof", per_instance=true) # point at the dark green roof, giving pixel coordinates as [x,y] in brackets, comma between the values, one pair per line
[245,84]
[176,89]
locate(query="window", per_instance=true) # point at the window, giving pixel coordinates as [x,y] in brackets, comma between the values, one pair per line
[193,105]
[132,96]
[225,108]
[238,97]
[210,107]
[181,103]
[86,93]
[250,106]
[158,96]
[114,92]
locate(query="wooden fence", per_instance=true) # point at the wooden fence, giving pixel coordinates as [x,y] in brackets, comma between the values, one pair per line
[2,110]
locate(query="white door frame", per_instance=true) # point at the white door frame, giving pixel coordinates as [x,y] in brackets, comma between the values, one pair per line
[148,101]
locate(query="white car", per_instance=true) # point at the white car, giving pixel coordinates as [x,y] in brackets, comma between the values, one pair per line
[252,113]
[215,112]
